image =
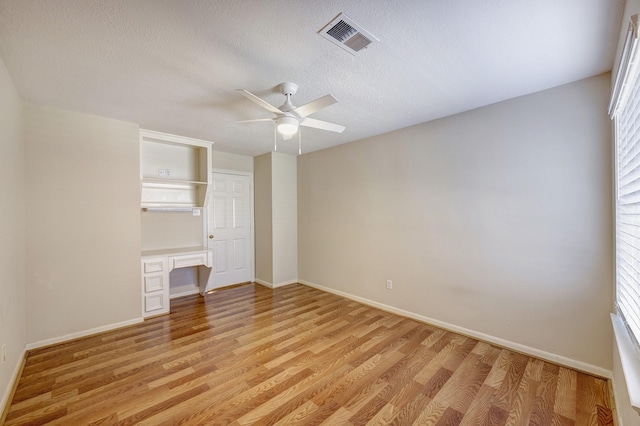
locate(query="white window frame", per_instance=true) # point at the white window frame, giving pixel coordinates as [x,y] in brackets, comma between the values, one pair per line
[624,110]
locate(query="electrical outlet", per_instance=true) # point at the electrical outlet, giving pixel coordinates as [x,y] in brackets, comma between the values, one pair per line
[4,353]
[389,284]
[161,172]
[167,172]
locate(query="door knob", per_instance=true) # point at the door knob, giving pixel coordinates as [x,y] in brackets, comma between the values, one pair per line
[211,237]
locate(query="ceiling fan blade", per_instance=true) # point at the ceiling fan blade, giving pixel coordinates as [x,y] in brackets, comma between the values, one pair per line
[313,106]
[252,121]
[264,104]
[323,125]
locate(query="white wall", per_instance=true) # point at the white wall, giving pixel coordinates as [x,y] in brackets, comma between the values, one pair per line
[13,310]
[83,234]
[497,221]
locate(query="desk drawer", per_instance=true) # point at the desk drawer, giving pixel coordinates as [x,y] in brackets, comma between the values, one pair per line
[155,265]
[155,303]
[153,283]
[189,260]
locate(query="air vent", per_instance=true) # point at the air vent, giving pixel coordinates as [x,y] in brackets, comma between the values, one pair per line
[345,33]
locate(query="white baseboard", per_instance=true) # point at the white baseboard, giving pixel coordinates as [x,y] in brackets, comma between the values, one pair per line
[262,282]
[184,293]
[84,333]
[13,381]
[284,283]
[276,285]
[527,350]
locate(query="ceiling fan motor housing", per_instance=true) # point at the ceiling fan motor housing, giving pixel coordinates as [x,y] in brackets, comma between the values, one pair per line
[288,88]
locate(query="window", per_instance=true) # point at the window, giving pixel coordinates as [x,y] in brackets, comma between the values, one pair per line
[625,112]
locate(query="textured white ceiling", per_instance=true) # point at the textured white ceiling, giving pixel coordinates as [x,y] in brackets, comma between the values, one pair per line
[173,65]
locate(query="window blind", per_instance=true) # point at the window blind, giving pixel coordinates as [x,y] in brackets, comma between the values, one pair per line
[625,110]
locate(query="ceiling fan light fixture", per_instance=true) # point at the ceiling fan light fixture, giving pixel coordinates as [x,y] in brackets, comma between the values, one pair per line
[287,125]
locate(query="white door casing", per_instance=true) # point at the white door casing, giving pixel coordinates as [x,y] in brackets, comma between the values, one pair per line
[230,222]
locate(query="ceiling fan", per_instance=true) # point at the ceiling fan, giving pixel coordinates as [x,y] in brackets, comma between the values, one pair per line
[289,117]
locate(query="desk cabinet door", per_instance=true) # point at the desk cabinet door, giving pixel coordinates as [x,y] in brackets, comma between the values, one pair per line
[155,303]
[155,286]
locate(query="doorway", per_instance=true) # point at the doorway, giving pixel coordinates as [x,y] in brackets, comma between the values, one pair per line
[230,228]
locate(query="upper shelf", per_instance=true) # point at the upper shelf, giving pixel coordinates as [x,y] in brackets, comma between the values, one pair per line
[174,170]
[173,181]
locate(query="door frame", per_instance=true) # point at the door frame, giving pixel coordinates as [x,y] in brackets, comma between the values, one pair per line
[205,225]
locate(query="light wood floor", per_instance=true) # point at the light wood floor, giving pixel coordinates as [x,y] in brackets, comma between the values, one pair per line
[296,355]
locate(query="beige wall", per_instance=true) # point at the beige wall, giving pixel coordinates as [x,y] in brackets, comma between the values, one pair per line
[161,230]
[83,234]
[284,218]
[276,229]
[13,310]
[263,218]
[226,161]
[497,220]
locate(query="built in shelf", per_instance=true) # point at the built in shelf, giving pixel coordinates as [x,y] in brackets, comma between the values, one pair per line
[176,209]
[175,171]
[172,181]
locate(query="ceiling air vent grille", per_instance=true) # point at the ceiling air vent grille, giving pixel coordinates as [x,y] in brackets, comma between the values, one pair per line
[345,33]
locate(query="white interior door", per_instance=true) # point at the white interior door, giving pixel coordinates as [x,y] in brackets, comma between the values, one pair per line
[229,222]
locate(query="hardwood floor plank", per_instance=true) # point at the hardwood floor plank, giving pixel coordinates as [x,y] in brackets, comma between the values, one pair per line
[565,404]
[431,414]
[411,411]
[295,355]
[435,364]
[560,420]
[243,404]
[135,416]
[497,416]
[478,412]
[520,413]
[300,415]
[367,411]
[293,398]
[505,397]
[437,381]
[587,411]
[450,417]
[542,411]
[495,377]
[605,416]
[183,412]
[460,390]
[362,399]
[340,417]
